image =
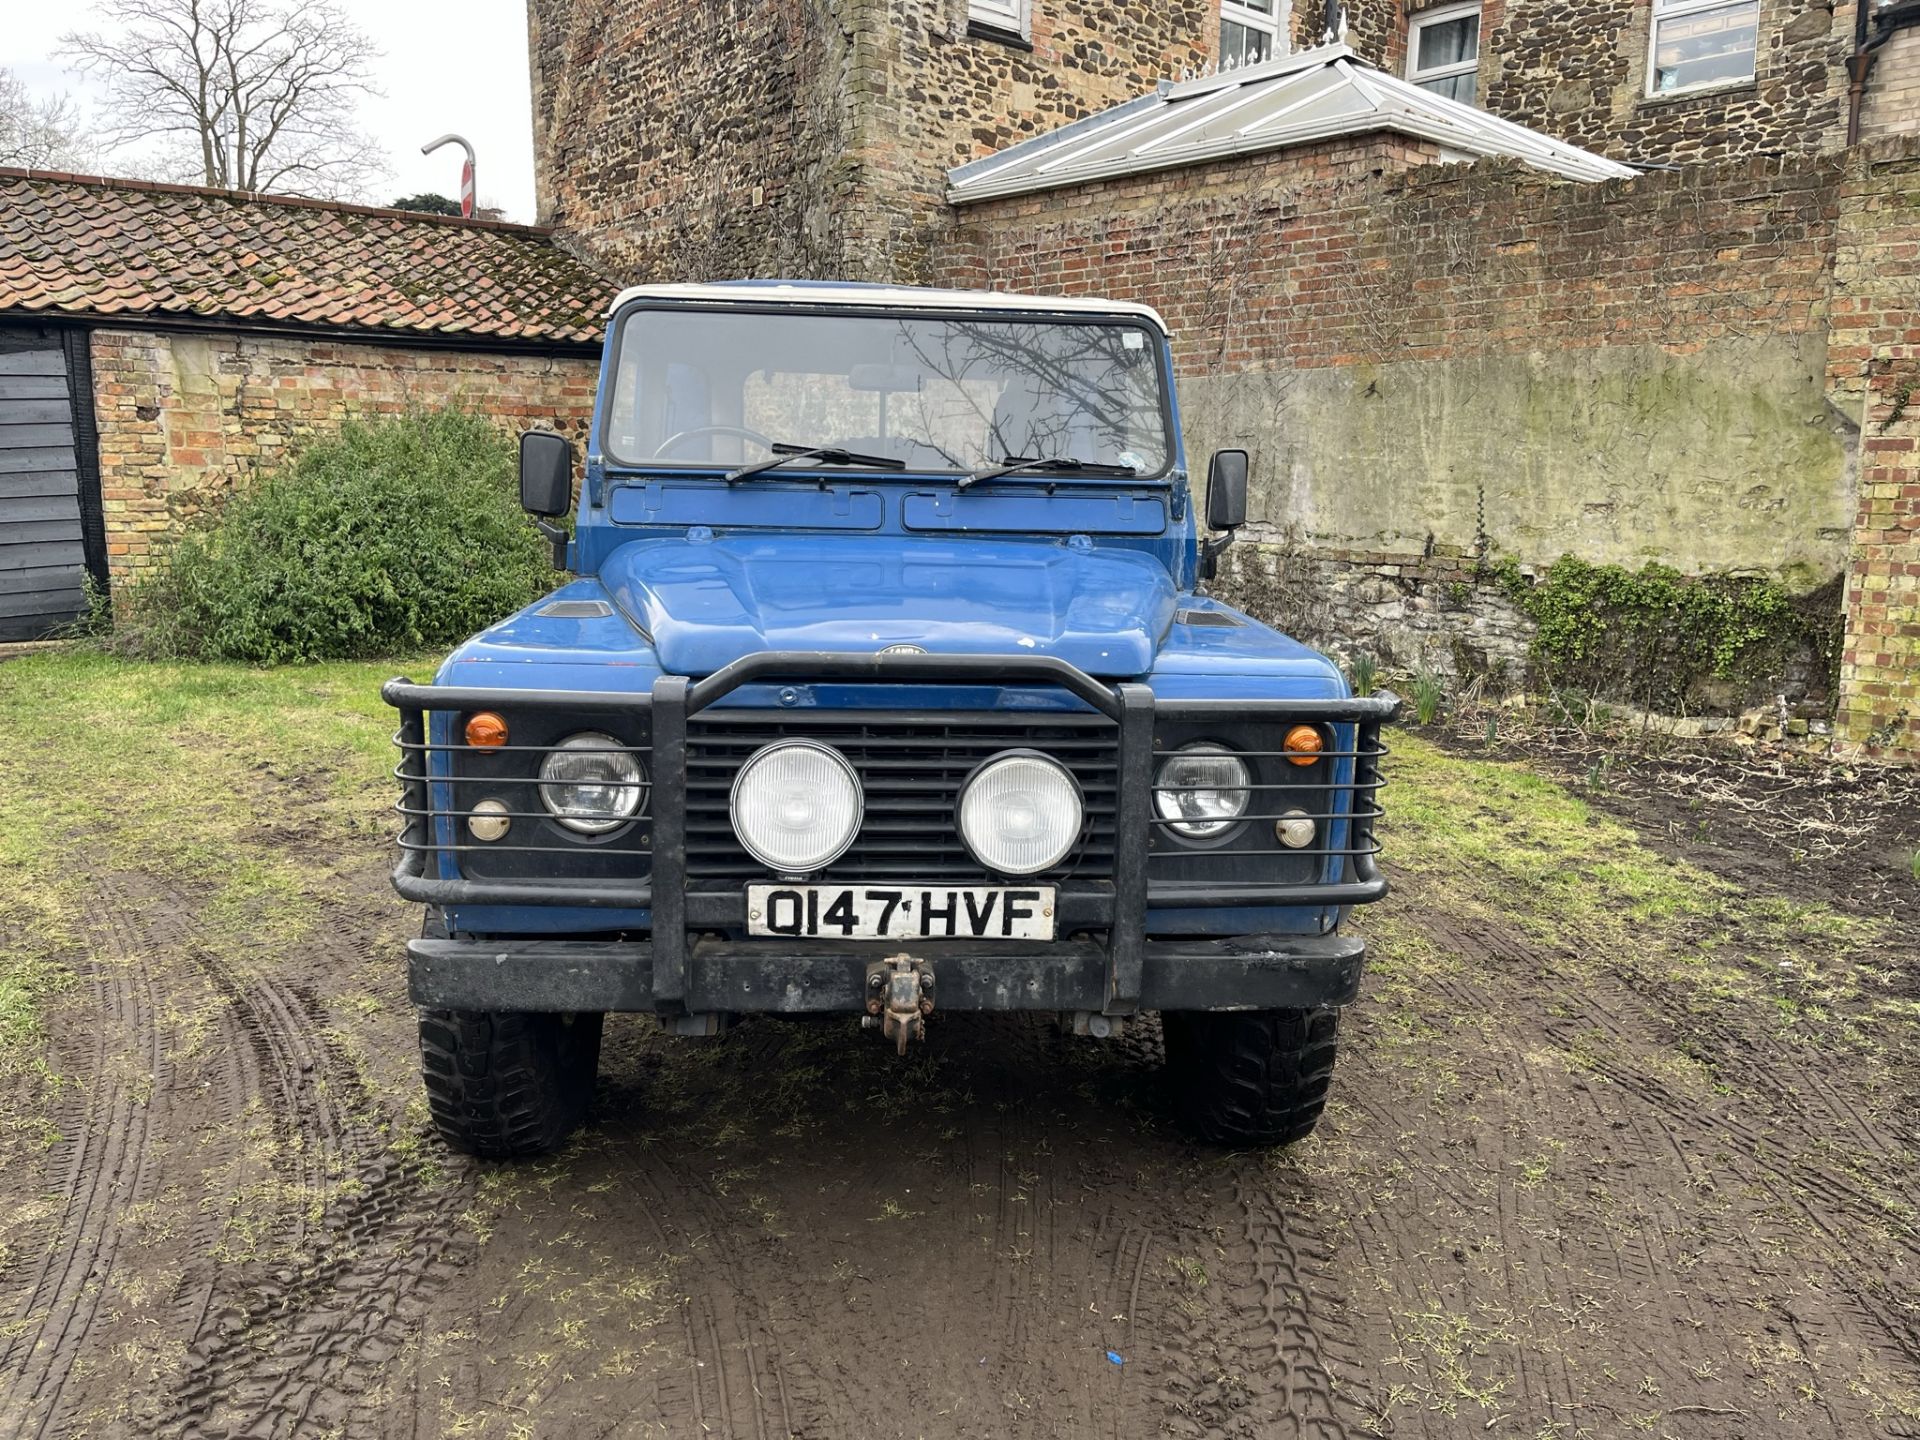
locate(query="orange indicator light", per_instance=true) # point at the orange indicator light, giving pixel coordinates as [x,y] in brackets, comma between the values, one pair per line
[1304,744]
[486,730]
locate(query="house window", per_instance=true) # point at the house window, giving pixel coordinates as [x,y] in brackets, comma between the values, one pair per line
[1251,31]
[1702,43]
[1443,51]
[1002,17]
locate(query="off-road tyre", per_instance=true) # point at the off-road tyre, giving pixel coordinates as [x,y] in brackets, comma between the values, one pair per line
[1252,1077]
[507,1084]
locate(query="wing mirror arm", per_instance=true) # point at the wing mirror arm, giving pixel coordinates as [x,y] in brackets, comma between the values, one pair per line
[556,538]
[546,486]
[1210,552]
[1226,506]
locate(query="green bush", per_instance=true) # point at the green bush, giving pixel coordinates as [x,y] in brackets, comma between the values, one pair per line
[1656,637]
[393,536]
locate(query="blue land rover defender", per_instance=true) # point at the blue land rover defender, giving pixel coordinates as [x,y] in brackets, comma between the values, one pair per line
[884,690]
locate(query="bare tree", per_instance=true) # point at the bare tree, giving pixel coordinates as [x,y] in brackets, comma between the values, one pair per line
[39,133]
[241,94]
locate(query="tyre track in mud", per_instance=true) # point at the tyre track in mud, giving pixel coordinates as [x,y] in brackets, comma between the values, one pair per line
[104,1163]
[150,1133]
[1677,1203]
[1262,1364]
[949,1249]
[307,1340]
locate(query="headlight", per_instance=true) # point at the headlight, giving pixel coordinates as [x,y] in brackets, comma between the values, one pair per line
[1020,814]
[591,784]
[796,806]
[1202,789]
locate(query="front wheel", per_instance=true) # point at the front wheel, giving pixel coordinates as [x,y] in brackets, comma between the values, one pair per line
[1252,1077]
[507,1084]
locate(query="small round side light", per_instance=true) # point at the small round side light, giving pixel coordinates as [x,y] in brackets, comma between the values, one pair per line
[489,821]
[486,730]
[1303,744]
[1295,830]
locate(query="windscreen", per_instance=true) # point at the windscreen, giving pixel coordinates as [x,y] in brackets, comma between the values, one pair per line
[718,388]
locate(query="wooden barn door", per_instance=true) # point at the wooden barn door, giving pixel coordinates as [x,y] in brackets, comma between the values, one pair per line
[49,511]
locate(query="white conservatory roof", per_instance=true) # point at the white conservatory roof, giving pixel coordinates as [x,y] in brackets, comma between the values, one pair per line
[1318,94]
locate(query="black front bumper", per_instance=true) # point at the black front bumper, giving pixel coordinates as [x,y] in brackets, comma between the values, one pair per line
[1254,972]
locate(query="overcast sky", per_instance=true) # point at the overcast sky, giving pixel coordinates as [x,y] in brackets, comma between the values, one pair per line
[449,65]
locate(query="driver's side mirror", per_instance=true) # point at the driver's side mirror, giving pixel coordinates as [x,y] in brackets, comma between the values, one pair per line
[546,473]
[1226,505]
[1227,490]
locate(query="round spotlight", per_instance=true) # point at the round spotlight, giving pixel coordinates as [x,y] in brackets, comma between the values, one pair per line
[1202,790]
[1021,813]
[590,783]
[796,806]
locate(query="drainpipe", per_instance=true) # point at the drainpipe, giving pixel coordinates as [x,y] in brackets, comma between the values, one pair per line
[1866,47]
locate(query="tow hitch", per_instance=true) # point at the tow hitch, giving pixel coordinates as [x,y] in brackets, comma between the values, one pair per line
[899,998]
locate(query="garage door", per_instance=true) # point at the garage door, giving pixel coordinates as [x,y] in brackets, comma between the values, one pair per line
[43,555]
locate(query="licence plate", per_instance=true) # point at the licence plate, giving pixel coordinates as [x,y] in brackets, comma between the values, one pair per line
[901,912]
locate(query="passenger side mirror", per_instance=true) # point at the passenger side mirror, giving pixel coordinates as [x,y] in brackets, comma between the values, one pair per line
[546,485]
[1227,490]
[1226,506]
[546,473]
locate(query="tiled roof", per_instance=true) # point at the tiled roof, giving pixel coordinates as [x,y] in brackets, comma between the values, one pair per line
[80,245]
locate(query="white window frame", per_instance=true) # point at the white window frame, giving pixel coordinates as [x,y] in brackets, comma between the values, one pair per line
[1010,17]
[1443,15]
[1273,26]
[1678,10]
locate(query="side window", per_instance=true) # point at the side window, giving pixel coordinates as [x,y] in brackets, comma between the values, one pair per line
[1702,43]
[1443,51]
[1251,31]
[1002,17]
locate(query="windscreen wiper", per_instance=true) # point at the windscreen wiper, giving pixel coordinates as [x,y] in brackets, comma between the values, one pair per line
[825,454]
[1038,465]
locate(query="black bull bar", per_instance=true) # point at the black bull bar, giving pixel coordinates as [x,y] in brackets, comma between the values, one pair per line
[683,968]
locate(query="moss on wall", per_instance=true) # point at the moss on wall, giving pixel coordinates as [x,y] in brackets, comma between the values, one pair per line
[1727,459]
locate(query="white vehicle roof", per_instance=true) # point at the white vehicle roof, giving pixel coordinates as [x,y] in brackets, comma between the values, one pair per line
[814,293]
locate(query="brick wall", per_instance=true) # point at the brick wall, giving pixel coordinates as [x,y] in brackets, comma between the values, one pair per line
[1452,363]
[1338,255]
[1893,92]
[185,417]
[1875,366]
[1577,70]
[697,138]
[943,97]
[810,138]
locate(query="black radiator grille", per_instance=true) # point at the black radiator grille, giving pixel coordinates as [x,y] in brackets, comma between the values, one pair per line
[911,769]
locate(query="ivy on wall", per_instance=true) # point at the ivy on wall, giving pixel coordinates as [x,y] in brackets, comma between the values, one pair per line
[1661,638]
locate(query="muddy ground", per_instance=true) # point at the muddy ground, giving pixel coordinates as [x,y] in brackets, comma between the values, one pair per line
[1620,1146]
